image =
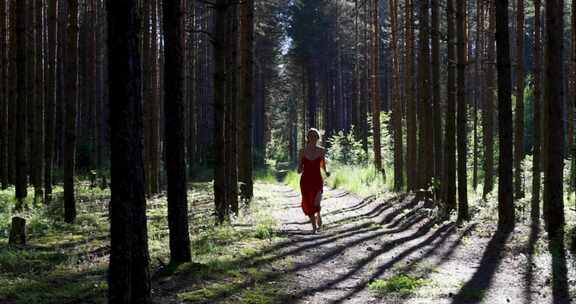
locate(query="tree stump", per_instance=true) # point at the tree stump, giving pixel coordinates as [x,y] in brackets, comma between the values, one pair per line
[18,231]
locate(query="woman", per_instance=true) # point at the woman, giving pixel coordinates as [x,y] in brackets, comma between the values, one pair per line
[311,184]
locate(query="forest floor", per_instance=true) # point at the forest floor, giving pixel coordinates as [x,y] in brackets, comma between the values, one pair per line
[380,249]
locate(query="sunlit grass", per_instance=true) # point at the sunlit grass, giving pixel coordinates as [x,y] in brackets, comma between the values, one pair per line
[265,176]
[67,263]
[402,285]
[360,180]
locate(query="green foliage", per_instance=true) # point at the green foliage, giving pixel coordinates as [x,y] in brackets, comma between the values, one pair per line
[346,149]
[402,285]
[292,179]
[277,149]
[266,176]
[362,180]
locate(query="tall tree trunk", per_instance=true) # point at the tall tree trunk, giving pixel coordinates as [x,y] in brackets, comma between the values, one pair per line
[128,275]
[425,124]
[246,83]
[155,141]
[536,155]
[479,49]
[37,157]
[71,108]
[519,125]
[174,131]
[4,100]
[376,89]
[411,128]
[221,9]
[450,140]
[553,185]
[231,121]
[505,183]
[19,17]
[396,101]
[51,78]
[570,102]
[12,93]
[436,96]
[488,112]
[461,115]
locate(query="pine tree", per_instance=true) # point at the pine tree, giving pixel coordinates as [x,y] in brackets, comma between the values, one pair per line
[450,139]
[396,101]
[245,158]
[461,115]
[128,274]
[519,123]
[175,139]
[536,158]
[71,111]
[505,125]
[376,88]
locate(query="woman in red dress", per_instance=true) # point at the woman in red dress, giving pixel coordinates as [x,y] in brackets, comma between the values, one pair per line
[311,184]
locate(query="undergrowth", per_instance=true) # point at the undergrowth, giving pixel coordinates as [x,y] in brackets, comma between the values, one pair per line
[65,263]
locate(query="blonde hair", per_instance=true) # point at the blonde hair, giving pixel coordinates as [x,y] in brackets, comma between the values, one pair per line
[315,131]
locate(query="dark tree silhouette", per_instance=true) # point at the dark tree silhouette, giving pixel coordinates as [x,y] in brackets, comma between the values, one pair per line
[71,77]
[175,140]
[450,140]
[505,184]
[128,275]
[19,17]
[246,83]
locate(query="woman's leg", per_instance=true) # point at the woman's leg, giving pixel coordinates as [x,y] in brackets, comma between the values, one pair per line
[313,222]
[317,202]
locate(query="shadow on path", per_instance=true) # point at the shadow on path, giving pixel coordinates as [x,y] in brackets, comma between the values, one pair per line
[473,291]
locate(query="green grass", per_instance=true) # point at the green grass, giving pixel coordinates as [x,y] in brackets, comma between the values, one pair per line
[265,176]
[402,285]
[65,263]
[360,180]
[292,179]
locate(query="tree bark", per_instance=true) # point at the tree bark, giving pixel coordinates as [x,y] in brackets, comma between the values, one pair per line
[174,131]
[245,158]
[231,130]
[221,204]
[506,217]
[488,111]
[554,166]
[51,78]
[128,275]
[450,140]
[411,128]
[436,96]
[37,157]
[536,154]
[376,89]
[425,109]
[396,101]
[4,100]
[21,165]
[461,115]
[519,125]
[71,108]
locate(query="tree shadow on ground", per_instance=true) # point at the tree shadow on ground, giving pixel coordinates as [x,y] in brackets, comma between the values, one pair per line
[473,291]
[353,235]
[531,251]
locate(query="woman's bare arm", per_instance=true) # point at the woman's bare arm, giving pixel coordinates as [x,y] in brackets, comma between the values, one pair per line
[324,163]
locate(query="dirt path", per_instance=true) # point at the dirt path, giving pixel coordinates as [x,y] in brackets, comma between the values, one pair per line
[368,239]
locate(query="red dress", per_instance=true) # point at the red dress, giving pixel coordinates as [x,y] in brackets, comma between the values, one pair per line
[311,184]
